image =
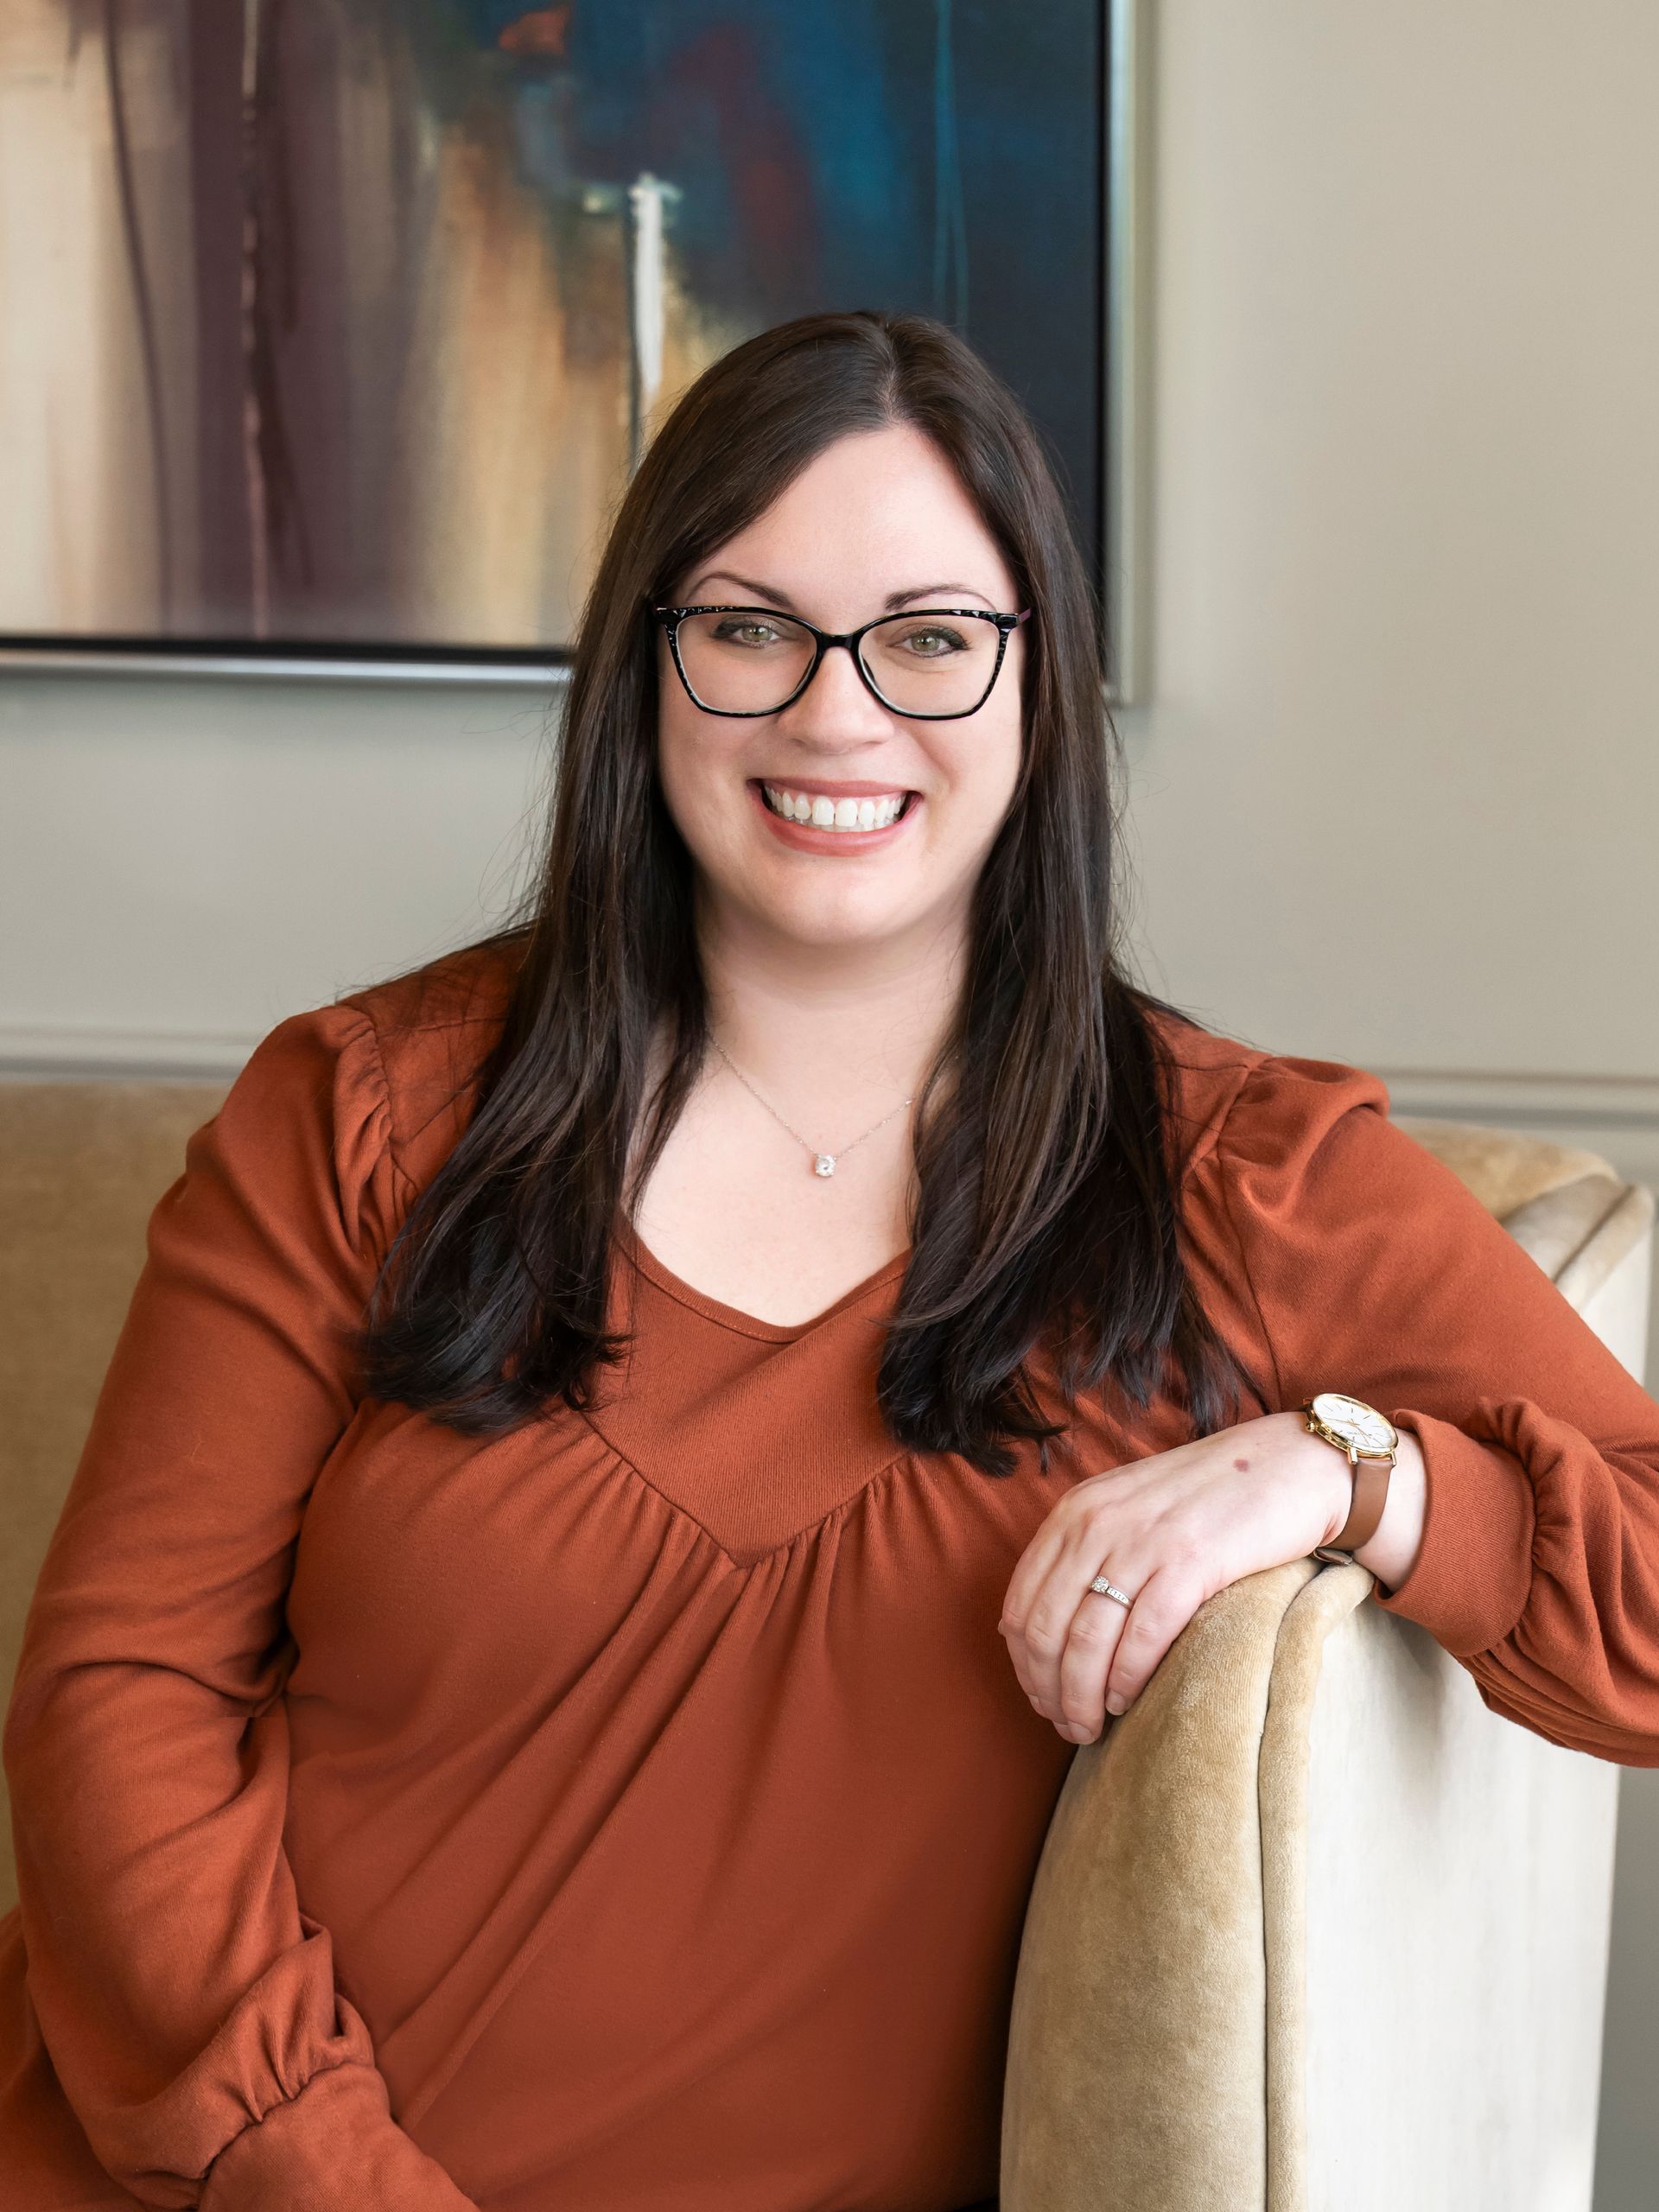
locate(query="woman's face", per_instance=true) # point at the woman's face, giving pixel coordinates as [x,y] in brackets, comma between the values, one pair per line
[876,523]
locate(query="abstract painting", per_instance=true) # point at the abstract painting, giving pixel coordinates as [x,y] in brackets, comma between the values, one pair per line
[336,326]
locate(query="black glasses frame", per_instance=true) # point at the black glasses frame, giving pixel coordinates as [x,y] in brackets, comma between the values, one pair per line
[671,617]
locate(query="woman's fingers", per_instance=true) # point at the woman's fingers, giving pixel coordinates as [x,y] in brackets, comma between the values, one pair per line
[1078,1665]
[1063,1663]
[1079,1654]
[1063,1645]
[1162,1609]
[1097,1630]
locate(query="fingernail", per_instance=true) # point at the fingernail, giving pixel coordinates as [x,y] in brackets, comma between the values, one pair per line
[1116,1702]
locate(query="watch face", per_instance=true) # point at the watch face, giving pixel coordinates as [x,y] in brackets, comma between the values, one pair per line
[1354,1421]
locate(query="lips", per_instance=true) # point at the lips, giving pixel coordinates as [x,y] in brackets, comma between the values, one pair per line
[841,810]
[864,815]
[815,789]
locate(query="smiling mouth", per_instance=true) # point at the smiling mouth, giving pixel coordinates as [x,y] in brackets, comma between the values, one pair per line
[818,811]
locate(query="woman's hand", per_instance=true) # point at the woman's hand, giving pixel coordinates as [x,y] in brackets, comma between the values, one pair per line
[1171,1530]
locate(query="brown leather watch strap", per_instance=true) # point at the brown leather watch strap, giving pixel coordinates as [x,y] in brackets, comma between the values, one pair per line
[1371,1474]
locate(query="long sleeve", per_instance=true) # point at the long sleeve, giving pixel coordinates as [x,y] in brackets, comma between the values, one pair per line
[1369,1266]
[187,2002]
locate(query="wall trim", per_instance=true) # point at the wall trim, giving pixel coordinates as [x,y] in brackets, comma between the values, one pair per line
[1511,1097]
[1516,1098]
[74,1053]
[1615,1116]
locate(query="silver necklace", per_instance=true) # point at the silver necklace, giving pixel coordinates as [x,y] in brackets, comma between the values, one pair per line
[823,1163]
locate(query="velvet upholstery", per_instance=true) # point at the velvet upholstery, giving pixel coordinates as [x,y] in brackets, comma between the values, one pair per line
[81,1167]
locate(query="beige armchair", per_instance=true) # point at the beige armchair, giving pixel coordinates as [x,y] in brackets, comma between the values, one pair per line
[1268,1963]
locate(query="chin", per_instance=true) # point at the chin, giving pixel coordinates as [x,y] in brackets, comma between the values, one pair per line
[826,914]
[845,924]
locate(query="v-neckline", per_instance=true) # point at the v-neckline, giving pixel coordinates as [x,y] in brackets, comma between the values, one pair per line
[731,1317]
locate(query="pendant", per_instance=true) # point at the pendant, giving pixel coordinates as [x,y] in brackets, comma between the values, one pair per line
[823,1165]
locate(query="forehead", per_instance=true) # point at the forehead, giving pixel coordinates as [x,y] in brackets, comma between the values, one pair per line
[876,511]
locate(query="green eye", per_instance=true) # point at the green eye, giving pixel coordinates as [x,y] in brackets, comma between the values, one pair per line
[746,634]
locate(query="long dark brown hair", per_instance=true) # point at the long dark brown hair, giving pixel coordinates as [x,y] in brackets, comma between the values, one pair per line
[1045,1212]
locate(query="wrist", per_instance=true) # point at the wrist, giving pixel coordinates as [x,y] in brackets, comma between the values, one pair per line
[1327,1473]
[1390,1552]
[334,2143]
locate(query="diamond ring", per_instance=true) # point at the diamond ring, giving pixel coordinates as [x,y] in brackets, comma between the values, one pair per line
[1111,1590]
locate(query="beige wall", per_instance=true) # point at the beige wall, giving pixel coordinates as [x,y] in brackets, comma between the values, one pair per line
[183,863]
[1396,784]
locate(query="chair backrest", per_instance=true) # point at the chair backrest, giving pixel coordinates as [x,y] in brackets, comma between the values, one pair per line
[81,1168]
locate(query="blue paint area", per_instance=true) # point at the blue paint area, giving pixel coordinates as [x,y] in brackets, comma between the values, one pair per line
[940,154]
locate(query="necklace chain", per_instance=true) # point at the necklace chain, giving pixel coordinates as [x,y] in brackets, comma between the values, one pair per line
[823,1163]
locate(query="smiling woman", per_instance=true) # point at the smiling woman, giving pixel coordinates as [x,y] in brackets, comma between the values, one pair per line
[641,1447]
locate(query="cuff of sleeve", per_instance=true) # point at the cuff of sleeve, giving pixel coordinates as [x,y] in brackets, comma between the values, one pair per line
[1469,1583]
[334,2145]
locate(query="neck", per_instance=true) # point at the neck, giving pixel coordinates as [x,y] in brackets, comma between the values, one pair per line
[842,1027]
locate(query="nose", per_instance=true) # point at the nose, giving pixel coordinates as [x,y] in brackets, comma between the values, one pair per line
[837,708]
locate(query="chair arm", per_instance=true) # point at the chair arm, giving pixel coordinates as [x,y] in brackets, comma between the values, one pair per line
[1160,2039]
[1138,2065]
[1580,1233]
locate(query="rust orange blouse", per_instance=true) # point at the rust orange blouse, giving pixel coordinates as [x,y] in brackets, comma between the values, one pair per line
[638,1811]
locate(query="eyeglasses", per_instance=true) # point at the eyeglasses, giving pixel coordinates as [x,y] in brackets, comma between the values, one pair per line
[934,664]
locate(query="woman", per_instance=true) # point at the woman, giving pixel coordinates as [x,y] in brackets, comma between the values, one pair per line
[642,1448]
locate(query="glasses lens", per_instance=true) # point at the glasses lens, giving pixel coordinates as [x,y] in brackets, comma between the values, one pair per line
[932,663]
[746,661]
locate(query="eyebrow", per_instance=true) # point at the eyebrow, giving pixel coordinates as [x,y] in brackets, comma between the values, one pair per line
[774,597]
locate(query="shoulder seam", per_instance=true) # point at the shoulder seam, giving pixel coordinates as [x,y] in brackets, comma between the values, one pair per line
[1210,1142]
[384,1084]
[404,997]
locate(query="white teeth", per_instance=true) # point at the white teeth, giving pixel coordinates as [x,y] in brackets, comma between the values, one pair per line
[826,813]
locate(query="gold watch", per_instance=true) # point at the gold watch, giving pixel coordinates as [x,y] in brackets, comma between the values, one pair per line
[1370,1441]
